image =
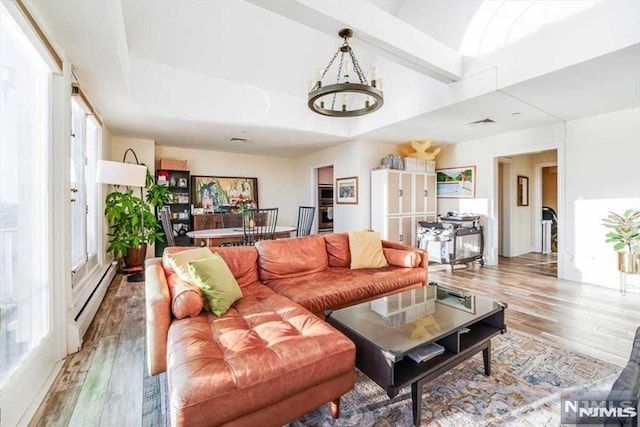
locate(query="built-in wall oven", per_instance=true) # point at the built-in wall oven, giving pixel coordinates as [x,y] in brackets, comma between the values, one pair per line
[325,193]
[325,217]
[325,208]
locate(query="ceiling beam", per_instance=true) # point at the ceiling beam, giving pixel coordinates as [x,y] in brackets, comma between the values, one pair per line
[380,32]
[119,33]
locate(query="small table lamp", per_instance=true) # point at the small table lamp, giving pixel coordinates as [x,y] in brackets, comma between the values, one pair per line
[130,175]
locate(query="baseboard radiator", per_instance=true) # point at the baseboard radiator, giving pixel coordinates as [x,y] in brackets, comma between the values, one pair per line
[78,325]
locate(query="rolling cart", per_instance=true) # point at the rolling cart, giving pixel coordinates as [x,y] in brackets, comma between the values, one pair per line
[460,239]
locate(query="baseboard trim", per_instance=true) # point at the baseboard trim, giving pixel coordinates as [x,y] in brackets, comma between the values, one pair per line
[39,398]
[77,327]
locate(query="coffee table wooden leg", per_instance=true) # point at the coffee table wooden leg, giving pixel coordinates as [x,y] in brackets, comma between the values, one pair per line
[335,408]
[486,356]
[416,402]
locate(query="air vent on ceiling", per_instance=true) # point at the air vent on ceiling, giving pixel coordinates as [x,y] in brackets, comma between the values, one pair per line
[238,140]
[483,122]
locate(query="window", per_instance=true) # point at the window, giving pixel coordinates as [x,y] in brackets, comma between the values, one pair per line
[497,24]
[25,288]
[85,139]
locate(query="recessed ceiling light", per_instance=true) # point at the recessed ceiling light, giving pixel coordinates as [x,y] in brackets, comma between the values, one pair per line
[482,122]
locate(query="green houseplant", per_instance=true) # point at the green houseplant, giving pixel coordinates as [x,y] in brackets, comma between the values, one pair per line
[132,221]
[625,231]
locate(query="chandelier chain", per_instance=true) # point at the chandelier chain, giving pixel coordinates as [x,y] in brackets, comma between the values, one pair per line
[357,69]
[333,101]
[326,69]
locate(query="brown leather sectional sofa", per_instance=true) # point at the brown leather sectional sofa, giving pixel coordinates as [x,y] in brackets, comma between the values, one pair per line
[271,358]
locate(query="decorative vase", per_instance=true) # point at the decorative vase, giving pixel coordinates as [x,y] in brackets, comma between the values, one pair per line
[135,256]
[248,220]
[629,262]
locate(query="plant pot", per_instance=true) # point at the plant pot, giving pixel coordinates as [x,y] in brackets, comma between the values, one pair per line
[135,256]
[629,262]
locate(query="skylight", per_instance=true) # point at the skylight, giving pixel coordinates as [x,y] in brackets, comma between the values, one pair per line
[498,23]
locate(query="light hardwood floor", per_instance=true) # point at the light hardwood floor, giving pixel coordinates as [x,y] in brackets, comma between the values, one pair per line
[106,384]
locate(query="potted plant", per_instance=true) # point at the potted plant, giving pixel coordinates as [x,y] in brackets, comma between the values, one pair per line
[625,232]
[133,223]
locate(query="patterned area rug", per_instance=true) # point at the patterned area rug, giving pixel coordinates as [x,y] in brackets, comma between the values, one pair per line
[524,389]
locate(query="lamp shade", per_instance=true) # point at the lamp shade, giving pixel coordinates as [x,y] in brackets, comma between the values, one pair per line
[118,173]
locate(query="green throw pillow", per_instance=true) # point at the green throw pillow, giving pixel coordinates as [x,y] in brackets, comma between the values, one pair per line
[219,287]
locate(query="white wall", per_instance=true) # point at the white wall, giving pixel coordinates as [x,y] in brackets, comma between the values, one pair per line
[102,194]
[602,172]
[520,231]
[483,153]
[598,171]
[144,149]
[277,180]
[353,158]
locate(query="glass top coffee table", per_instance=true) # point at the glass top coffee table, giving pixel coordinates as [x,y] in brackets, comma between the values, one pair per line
[390,331]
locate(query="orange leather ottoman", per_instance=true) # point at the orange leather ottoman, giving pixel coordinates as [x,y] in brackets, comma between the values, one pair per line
[265,362]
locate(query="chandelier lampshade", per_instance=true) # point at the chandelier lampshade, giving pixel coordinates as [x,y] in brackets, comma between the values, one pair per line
[345,98]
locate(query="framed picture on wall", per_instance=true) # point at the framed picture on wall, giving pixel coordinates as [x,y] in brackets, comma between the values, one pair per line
[523,190]
[456,183]
[215,192]
[347,190]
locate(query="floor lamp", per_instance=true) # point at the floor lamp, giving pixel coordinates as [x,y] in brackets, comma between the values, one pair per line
[130,175]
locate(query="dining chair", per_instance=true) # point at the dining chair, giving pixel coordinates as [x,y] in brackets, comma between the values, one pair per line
[305,220]
[259,224]
[165,218]
[230,219]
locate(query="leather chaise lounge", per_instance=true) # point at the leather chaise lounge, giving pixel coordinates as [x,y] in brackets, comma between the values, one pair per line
[271,357]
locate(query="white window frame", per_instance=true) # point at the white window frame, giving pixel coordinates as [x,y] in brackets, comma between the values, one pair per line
[87,274]
[21,394]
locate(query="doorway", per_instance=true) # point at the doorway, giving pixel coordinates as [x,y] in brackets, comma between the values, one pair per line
[520,221]
[546,226]
[504,215]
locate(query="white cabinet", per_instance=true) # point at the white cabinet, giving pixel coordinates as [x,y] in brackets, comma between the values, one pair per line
[399,200]
[399,190]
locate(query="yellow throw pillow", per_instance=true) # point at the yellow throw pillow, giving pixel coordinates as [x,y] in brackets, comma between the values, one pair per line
[219,287]
[366,250]
[178,261]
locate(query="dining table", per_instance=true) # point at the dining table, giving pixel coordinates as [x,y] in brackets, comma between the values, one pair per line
[218,236]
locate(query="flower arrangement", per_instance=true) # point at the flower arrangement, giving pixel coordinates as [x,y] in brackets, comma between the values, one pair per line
[243,204]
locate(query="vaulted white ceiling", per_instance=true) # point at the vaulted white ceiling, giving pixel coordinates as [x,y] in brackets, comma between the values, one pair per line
[196,73]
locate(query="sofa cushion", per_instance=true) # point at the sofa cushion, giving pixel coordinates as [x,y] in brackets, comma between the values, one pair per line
[366,250]
[215,280]
[338,249]
[177,261]
[282,258]
[402,258]
[263,350]
[186,299]
[338,287]
[242,261]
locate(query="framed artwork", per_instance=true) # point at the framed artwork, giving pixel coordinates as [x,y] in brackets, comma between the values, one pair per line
[523,190]
[456,183]
[214,192]
[347,190]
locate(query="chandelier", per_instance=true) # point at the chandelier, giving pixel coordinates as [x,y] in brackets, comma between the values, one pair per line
[334,100]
